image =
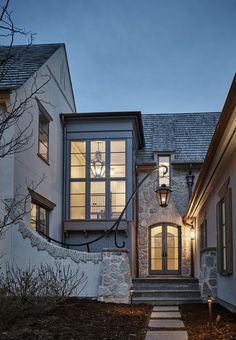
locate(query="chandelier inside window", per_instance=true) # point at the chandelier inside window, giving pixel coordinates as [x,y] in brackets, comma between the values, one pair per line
[98,164]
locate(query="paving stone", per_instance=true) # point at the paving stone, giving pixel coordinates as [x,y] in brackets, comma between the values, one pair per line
[165,315]
[166,324]
[165,308]
[166,335]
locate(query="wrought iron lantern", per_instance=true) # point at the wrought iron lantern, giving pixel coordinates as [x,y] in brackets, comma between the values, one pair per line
[163,195]
[98,164]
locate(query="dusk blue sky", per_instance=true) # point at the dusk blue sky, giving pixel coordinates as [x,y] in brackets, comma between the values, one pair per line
[149,55]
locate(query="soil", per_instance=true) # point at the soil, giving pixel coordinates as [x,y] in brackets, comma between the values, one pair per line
[75,319]
[196,320]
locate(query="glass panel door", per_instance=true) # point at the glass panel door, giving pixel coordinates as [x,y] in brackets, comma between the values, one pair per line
[165,249]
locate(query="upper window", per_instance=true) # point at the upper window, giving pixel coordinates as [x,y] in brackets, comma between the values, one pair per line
[43,137]
[164,171]
[97,179]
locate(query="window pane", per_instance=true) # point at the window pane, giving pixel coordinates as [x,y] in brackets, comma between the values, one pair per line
[33,217]
[97,200]
[118,158]
[98,159]
[77,200]
[118,197]
[43,135]
[43,150]
[42,220]
[78,159]
[164,174]
[77,213]
[118,146]
[77,172]
[77,187]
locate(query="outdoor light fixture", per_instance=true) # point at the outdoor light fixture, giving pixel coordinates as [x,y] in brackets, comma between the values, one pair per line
[210,301]
[163,195]
[98,164]
[192,233]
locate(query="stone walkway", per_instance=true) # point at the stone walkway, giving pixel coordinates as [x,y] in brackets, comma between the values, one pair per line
[166,324]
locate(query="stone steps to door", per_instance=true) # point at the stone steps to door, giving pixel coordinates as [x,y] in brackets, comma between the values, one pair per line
[166,301]
[166,290]
[167,293]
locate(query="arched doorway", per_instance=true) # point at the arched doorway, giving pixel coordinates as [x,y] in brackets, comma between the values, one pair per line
[165,249]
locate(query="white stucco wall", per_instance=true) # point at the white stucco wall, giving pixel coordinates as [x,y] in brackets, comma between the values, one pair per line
[23,247]
[25,168]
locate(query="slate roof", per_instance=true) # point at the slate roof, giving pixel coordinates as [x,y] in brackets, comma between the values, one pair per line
[23,62]
[186,135]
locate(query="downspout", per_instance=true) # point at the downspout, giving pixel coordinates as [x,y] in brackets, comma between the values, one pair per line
[63,176]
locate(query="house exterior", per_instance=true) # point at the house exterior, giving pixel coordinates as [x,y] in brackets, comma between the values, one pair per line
[36,77]
[81,170]
[211,209]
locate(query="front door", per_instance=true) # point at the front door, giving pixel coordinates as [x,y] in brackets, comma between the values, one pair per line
[165,249]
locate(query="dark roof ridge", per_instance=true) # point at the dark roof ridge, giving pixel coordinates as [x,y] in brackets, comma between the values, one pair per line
[180,113]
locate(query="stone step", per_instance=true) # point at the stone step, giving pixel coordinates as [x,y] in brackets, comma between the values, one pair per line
[166,293]
[163,301]
[165,284]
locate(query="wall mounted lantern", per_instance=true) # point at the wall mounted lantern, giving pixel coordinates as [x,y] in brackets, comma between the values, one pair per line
[163,195]
[98,164]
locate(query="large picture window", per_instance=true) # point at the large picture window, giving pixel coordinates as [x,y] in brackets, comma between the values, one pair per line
[97,179]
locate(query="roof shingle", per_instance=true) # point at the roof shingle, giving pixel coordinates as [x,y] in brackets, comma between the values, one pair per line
[22,62]
[187,135]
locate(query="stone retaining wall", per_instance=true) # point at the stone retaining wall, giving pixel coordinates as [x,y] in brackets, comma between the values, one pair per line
[208,274]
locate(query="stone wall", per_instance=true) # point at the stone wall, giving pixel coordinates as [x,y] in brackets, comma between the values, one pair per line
[115,278]
[150,213]
[208,274]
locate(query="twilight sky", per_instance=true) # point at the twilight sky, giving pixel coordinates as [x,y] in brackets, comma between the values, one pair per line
[149,55]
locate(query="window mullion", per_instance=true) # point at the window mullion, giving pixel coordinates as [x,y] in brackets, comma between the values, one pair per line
[88,180]
[108,176]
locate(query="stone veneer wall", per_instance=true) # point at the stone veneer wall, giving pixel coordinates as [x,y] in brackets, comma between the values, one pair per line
[149,214]
[115,278]
[208,274]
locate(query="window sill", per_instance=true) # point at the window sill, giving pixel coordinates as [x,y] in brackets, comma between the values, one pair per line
[43,159]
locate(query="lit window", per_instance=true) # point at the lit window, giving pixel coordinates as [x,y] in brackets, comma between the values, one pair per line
[39,219]
[97,177]
[164,171]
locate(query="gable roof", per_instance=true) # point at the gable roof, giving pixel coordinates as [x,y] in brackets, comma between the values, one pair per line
[186,135]
[22,62]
